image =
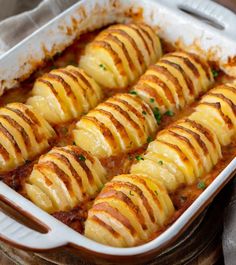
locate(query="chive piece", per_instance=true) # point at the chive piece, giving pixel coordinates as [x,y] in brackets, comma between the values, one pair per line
[130,157]
[144,112]
[169,113]
[130,193]
[103,66]
[81,158]
[160,162]
[183,198]
[149,139]
[201,185]
[64,130]
[156,192]
[152,100]
[139,158]
[133,92]
[157,115]
[215,73]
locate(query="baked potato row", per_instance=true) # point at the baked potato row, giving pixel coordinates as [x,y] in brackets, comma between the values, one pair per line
[120,124]
[64,94]
[24,134]
[191,147]
[120,54]
[129,209]
[175,81]
[63,178]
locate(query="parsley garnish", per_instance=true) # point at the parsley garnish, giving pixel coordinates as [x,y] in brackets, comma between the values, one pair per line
[169,113]
[81,158]
[139,158]
[201,185]
[130,193]
[144,112]
[152,100]
[157,115]
[64,130]
[74,143]
[160,162]
[149,139]
[133,92]
[102,66]
[156,192]
[215,73]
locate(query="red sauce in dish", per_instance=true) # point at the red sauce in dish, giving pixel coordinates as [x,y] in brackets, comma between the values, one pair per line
[116,165]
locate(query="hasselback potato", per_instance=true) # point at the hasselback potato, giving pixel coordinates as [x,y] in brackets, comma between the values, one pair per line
[127,212]
[64,94]
[120,54]
[220,103]
[120,124]
[24,134]
[65,177]
[176,80]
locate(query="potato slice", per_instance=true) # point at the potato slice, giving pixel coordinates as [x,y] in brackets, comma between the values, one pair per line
[128,211]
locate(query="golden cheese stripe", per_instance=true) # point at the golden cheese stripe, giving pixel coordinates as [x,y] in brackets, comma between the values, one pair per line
[64,178]
[128,211]
[175,81]
[24,135]
[120,54]
[64,94]
[120,124]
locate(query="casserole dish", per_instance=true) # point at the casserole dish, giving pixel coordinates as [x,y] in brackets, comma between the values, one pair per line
[216,42]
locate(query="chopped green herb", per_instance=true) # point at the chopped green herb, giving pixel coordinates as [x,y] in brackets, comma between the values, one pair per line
[74,143]
[183,199]
[152,100]
[201,185]
[130,193]
[139,158]
[133,92]
[160,162]
[215,73]
[58,53]
[81,158]
[27,161]
[102,66]
[73,63]
[130,157]
[64,130]
[144,112]
[156,192]
[149,139]
[169,113]
[52,67]
[157,115]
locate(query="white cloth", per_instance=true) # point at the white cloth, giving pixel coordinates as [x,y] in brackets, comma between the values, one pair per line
[15,28]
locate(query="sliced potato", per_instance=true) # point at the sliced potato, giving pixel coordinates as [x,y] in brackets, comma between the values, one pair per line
[65,177]
[120,124]
[129,209]
[120,53]
[24,134]
[64,94]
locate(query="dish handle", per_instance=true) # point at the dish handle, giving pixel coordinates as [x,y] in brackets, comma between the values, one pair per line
[209,12]
[21,236]
[18,234]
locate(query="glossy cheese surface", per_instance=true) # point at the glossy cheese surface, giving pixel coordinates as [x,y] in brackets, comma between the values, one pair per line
[175,81]
[129,209]
[120,54]
[24,134]
[64,94]
[120,124]
[65,177]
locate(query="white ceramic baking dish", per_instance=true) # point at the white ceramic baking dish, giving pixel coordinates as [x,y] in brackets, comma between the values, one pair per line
[214,36]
